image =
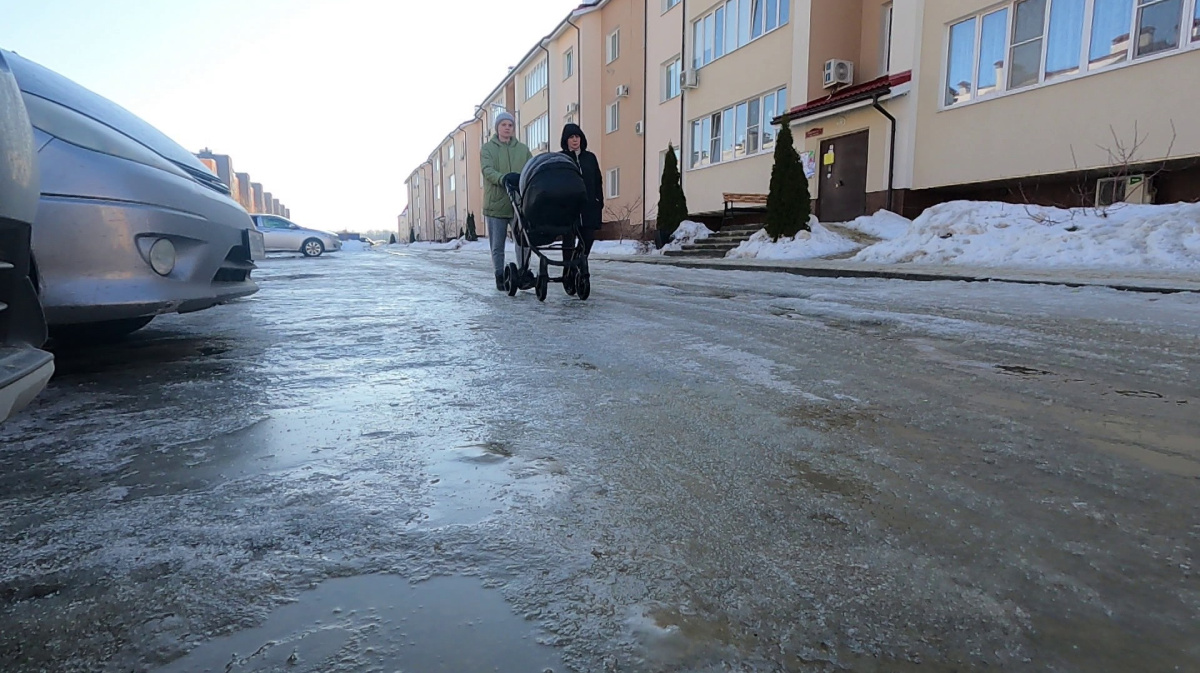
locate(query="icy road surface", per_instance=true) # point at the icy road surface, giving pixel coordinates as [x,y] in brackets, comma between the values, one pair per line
[379,463]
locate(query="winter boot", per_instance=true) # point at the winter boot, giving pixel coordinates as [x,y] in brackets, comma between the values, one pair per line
[500,282]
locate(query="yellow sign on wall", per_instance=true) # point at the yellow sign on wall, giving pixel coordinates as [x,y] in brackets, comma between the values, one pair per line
[827,160]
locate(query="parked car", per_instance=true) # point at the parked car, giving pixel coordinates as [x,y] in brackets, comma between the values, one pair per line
[130,225]
[282,235]
[24,367]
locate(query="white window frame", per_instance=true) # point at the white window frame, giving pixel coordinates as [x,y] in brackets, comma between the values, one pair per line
[537,79]
[612,117]
[700,144]
[1188,40]
[671,86]
[612,46]
[569,63]
[612,183]
[732,9]
[537,133]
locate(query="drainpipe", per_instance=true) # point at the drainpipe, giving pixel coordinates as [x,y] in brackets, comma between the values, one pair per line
[645,104]
[578,65]
[891,151]
[683,60]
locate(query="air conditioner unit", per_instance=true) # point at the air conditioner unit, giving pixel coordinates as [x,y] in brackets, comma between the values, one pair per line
[639,128]
[690,79]
[1123,189]
[838,72]
[572,107]
[622,91]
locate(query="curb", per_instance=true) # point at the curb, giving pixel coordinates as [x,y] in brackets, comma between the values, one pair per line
[920,276]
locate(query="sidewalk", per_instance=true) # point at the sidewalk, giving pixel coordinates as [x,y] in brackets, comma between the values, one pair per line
[1132,281]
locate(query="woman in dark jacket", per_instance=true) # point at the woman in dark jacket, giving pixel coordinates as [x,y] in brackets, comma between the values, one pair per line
[574,145]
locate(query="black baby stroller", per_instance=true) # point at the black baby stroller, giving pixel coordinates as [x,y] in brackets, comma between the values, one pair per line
[548,199]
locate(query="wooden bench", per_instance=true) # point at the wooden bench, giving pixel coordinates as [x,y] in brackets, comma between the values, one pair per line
[732,199]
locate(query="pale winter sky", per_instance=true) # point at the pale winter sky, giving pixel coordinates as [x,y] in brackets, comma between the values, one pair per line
[329,103]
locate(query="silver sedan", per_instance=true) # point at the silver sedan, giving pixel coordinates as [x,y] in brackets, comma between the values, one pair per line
[283,235]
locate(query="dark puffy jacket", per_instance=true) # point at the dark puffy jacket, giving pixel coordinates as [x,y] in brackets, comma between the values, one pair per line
[590,167]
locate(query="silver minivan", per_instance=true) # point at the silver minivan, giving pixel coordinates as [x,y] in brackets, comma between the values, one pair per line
[130,225]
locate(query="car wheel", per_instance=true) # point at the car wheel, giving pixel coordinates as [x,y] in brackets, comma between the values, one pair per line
[313,247]
[98,332]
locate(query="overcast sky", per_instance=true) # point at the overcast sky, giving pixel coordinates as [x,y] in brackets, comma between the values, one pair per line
[329,103]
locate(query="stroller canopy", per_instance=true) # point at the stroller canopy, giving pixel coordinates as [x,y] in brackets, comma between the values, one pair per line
[553,195]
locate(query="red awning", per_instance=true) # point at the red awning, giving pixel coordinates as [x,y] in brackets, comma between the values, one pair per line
[852,94]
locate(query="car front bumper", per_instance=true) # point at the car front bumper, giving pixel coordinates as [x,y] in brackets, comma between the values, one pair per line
[96,220]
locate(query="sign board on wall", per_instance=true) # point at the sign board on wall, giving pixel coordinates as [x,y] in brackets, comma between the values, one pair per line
[814,133]
[809,159]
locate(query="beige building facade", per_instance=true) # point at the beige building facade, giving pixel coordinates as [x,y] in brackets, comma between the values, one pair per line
[738,63]
[1041,104]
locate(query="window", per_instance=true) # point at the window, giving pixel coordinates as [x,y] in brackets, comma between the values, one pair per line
[1158,23]
[668,4]
[450,151]
[733,25]
[741,130]
[437,191]
[568,63]
[537,133]
[536,80]
[671,73]
[613,121]
[1034,42]
[613,51]
[451,183]
[614,183]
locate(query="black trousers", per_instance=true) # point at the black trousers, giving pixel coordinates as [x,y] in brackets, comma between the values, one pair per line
[588,236]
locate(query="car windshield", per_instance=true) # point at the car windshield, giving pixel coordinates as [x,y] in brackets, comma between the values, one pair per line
[47,84]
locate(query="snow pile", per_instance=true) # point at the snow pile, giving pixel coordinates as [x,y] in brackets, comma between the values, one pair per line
[820,242]
[884,225]
[686,233]
[1125,236]
[355,246]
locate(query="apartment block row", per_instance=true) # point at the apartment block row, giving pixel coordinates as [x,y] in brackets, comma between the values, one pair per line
[896,104]
[251,195]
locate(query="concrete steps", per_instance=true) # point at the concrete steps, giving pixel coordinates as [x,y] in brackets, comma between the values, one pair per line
[718,244]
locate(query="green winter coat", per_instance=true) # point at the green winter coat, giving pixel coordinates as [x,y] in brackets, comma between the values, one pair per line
[498,159]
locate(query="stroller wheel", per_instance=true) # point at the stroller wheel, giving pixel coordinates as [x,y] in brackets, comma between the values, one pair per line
[512,279]
[584,288]
[543,285]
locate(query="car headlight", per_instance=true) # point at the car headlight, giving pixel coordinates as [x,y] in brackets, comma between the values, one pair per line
[79,129]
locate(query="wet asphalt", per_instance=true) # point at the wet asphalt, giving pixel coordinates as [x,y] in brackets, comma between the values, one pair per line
[379,463]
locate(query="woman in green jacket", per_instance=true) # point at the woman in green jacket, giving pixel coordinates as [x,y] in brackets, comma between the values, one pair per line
[501,155]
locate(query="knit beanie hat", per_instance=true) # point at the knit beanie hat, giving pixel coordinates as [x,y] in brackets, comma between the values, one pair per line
[504,117]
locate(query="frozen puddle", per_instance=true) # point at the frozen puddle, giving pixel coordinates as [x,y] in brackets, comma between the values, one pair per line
[382,623]
[472,483]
